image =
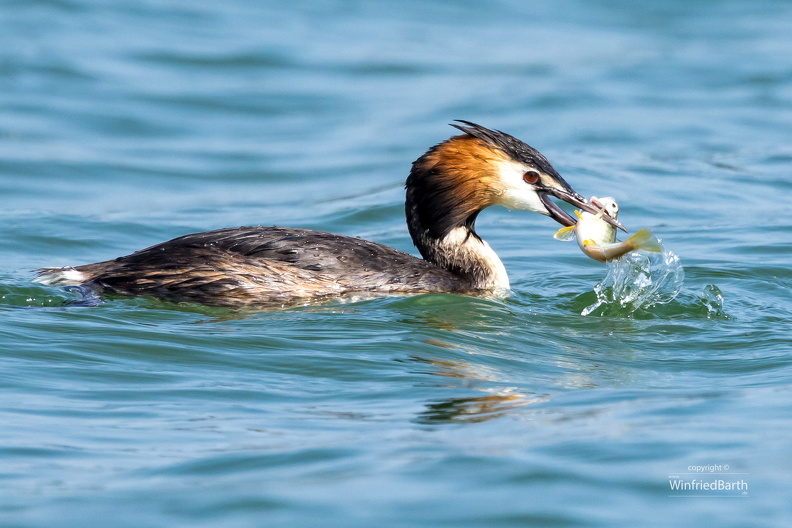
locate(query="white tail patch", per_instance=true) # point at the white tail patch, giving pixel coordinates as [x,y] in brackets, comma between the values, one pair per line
[66,276]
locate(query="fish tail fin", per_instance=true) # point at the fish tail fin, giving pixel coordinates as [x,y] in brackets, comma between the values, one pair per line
[644,240]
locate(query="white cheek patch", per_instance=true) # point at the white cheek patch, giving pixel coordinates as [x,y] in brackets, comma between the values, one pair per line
[525,199]
[514,192]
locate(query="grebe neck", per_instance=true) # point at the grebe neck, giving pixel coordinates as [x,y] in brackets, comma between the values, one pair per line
[462,252]
[441,213]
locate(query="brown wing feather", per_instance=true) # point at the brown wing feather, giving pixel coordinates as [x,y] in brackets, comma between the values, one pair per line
[250,265]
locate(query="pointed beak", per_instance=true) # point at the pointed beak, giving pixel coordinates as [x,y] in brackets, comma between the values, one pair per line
[573,198]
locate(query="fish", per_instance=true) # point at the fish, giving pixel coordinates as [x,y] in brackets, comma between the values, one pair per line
[597,238]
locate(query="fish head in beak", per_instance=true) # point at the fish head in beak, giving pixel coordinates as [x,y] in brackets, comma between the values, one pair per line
[567,194]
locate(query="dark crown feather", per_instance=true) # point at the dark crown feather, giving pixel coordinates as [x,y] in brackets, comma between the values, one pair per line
[509,144]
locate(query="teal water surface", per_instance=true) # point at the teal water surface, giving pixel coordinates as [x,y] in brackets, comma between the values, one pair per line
[128,123]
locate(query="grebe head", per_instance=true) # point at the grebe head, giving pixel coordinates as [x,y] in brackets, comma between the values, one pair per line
[455,180]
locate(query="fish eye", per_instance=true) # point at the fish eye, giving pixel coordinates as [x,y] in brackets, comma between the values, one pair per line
[531,177]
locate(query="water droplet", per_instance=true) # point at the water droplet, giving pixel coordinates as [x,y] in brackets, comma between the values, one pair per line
[712,297]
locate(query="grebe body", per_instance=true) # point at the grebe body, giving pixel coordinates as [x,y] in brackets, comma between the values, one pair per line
[446,190]
[261,265]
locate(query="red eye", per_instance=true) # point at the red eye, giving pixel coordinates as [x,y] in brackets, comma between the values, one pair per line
[531,177]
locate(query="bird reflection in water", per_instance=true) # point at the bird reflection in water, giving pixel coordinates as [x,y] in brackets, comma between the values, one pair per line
[496,403]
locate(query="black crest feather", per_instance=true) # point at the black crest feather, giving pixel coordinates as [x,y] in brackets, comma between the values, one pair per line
[509,144]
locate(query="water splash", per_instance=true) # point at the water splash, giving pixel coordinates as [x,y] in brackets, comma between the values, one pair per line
[638,280]
[712,297]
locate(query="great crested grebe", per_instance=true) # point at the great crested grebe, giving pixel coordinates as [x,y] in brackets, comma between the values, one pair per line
[446,190]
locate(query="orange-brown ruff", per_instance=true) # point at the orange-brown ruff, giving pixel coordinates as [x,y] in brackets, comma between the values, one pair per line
[446,189]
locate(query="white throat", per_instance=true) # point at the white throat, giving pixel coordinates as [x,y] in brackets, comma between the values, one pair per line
[464,251]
